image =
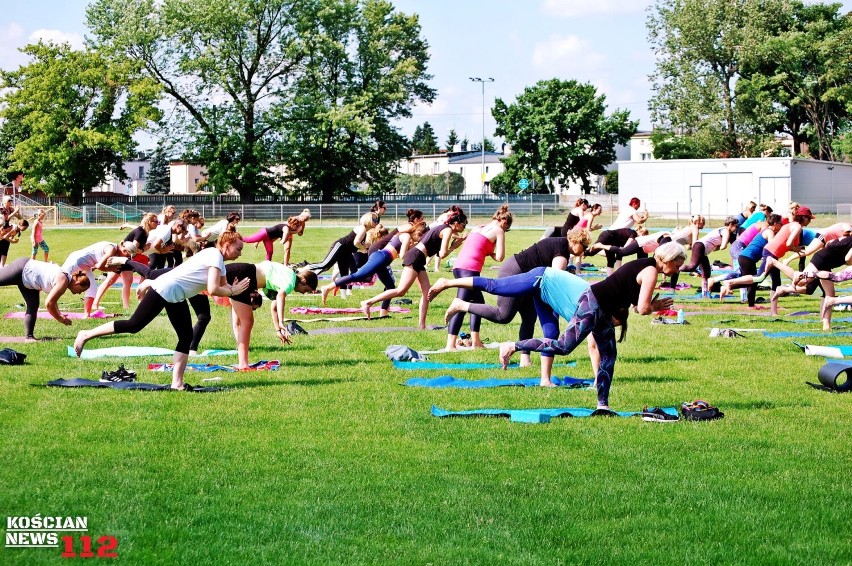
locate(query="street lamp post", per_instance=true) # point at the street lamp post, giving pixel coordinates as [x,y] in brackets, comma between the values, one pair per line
[482,167]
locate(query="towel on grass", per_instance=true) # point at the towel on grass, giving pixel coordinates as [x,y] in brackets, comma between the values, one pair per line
[263,365]
[448,381]
[127,385]
[439,365]
[71,315]
[827,351]
[329,310]
[533,415]
[805,334]
[137,351]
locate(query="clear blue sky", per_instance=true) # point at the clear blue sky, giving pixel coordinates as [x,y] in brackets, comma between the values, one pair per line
[517,43]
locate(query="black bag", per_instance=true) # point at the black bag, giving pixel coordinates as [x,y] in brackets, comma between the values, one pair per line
[11,357]
[699,410]
[294,328]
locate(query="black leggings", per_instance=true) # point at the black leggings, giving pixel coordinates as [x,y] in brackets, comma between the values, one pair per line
[152,305]
[340,252]
[199,303]
[698,258]
[749,267]
[630,249]
[13,274]
[469,295]
[508,307]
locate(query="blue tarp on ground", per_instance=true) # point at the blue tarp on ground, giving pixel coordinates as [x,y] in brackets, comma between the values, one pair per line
[534,415]
[449,381]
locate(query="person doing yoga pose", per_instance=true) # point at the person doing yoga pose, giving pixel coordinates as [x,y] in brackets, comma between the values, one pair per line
[434,242]
[482,242]
[716,240]
[550,252]
[203,271]
[632,285]
[285,231]
[32,276]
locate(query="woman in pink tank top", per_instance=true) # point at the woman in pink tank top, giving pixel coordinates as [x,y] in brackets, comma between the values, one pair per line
[482,242]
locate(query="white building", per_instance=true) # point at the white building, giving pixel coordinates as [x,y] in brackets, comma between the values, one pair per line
[184,177]
[722,187]
[136,171]
[477,176]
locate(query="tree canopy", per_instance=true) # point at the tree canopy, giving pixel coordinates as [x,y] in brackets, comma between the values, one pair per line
[560,129]
[730,76]
[69,117]
[311,84]
[424,141]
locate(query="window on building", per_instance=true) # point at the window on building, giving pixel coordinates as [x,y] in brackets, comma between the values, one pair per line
[486,169]
[461,171]
[645,156]
[436,168]
[141,171]
[416,168]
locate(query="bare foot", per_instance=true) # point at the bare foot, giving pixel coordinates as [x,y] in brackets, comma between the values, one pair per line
[455,307]
[365,308]
[384,313]
[80,342]
[506,351]
[547,383]
[437,288]
[525,362]
[478,345]
[326,291]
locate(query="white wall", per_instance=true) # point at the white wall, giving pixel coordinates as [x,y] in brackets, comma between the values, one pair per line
[183,177]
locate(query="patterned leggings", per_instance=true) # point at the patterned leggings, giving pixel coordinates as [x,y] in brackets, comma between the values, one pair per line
[589,319]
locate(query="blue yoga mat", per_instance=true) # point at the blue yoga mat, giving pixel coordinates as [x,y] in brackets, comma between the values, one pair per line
[805,334]
[450,381]
[136,351]
[439,365]
[532,415]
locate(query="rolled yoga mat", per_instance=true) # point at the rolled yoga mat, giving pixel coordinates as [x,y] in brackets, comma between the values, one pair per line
[836,376]
[828,351]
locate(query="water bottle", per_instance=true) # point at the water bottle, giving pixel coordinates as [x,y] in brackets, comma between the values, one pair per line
[680,316]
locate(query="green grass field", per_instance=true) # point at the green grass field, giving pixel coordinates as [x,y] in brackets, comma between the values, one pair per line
[331,461]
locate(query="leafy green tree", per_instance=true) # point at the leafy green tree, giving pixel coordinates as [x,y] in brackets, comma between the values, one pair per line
[560,129]
[424,141]
[700,45]
[452,140]
[612,182]
[465,144]
[225,64]
[365,67]
[489,146]
[70,117]
[507,181]
[799,80]
[159,180]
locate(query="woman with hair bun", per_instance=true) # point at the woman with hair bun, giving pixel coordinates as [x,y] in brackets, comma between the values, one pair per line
[295,225]
[488,240]
[437,241]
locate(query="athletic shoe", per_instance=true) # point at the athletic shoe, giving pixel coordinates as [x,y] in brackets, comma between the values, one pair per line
[119,375]
[657,415]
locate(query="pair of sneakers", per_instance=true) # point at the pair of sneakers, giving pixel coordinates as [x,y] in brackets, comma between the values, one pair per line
[119,375]
[658,415]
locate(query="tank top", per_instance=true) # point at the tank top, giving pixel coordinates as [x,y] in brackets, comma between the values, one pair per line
[39,275]
[542,253]
[833,255]
[747,236]
[833,232]
[756,216]
[37,231]
[777,246]
[561,290]
[85,259]
[712,241]
[570,221]
[683,236]
[431,240]
[475,249]
[620,290]
[382,242]
[275,232]
[754,250]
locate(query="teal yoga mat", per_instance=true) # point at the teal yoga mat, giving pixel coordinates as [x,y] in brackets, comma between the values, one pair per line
[534,415]
[448,381]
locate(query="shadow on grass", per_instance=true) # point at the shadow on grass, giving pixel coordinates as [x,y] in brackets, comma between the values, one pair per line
[656,358]
[282,382]
[655,379]
[760,404]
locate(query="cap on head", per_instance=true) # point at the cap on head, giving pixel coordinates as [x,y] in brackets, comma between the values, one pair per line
[805,212]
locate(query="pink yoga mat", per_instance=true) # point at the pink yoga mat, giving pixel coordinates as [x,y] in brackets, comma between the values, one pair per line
[327,310]
[71,315]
